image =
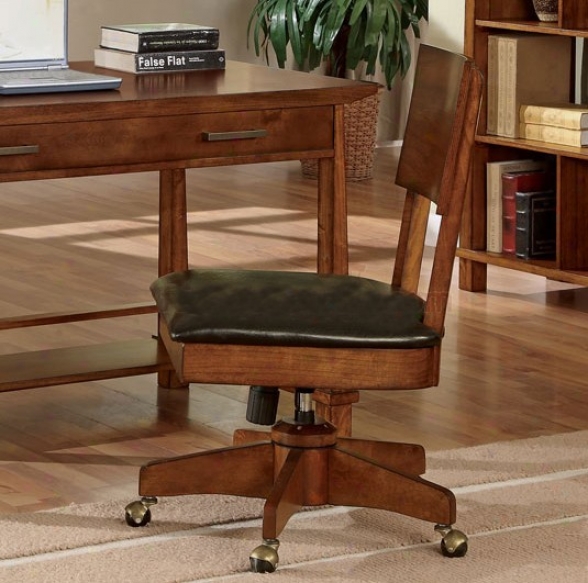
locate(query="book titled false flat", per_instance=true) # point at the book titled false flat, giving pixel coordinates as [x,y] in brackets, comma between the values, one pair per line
[160,62]
[159,37]
[554,134]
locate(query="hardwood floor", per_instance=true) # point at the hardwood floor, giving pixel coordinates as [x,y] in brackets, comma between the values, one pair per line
[514,361]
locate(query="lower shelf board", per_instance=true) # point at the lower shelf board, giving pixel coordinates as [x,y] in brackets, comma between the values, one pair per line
[542,268]
[26,370]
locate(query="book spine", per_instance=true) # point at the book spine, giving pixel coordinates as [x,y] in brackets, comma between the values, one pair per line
[508,109]
[492,86]
[179,61]
[552,116]
[158,41]
[535,225]
[502,86]
[493,209]
[552,134]
[509,215]
[178,41]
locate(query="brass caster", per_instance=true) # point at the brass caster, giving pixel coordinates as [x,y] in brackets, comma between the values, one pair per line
[454,542]
[264,558]
[137,513]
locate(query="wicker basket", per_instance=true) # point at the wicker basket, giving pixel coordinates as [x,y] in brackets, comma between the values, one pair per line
[361,125]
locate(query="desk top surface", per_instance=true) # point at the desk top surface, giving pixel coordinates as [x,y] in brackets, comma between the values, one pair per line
[241,86]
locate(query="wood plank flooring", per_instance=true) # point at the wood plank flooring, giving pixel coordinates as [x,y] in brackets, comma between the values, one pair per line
[514,362]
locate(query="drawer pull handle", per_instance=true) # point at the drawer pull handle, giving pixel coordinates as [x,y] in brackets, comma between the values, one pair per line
[15,150]
[242,135]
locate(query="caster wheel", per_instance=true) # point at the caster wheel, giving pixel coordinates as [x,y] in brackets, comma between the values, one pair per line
[264,558]
[137,513]
[454,544]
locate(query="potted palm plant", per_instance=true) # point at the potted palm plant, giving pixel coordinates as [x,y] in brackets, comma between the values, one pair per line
[342,35]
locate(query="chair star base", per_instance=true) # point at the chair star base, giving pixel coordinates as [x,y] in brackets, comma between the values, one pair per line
[298,465]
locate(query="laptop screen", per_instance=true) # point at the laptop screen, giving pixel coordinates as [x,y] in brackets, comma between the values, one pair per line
[32,33]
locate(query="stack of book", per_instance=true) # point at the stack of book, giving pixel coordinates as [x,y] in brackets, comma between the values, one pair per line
[558,123]
[161,47]
[521,210]
[524,69]
[495,212]
[528,214]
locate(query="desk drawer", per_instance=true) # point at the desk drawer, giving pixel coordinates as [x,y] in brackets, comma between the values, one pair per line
[162,139]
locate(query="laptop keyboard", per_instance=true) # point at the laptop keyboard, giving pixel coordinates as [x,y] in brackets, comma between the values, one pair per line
[45,74]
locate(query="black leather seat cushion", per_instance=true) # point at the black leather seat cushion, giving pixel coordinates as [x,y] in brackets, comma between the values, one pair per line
[289,309]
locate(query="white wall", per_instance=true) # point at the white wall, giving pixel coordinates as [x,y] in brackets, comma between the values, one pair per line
[446,24]
[445,29]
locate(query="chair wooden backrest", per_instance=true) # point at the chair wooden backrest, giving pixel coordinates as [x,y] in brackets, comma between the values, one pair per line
[434,167]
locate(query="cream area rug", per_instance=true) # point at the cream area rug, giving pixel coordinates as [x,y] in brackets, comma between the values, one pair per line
[523,504]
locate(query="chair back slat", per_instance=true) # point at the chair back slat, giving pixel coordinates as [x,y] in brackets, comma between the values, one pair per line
[409,253]
[434,166]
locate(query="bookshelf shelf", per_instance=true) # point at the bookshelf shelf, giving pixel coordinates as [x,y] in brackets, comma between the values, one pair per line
[533,146]
[546,269]
[531,26]
[57,366]
[485,17]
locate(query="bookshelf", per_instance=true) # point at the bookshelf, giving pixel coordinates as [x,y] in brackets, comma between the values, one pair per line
[485,17]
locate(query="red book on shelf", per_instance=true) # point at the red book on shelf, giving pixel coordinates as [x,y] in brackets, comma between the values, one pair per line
[513,182]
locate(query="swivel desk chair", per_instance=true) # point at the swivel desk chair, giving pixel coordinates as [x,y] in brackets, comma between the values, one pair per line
[339,332]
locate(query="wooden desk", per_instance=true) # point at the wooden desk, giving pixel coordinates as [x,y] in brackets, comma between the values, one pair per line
[168,123]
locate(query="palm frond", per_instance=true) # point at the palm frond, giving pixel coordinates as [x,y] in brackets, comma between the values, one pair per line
[345,33]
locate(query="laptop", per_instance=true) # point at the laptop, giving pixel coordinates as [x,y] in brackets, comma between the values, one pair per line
[33,51]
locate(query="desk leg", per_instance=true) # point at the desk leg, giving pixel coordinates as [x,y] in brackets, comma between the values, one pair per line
[173,227]
[173,240]
[333,257]
[332,206]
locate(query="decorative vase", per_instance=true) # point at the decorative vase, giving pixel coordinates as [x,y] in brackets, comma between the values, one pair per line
[546,10]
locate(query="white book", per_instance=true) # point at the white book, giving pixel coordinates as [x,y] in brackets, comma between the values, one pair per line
[572,116]
[494,172]
[554,134]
